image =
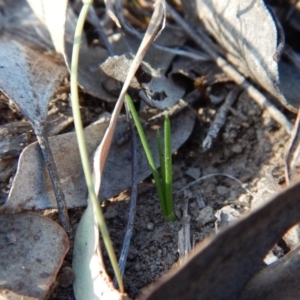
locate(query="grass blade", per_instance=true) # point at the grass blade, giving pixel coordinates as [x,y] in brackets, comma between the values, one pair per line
[148,153]
[167,178]
[161,158]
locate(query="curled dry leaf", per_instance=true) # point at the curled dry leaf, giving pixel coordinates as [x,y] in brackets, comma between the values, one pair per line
[32,251]
[53,15]
[156,89]
[236,25]
[31,187]
[91,279]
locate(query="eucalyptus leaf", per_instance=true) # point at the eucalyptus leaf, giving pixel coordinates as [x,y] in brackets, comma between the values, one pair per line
[236,25]
[31,188]
[30,79]
[32,251]
[91,279]
[155,88]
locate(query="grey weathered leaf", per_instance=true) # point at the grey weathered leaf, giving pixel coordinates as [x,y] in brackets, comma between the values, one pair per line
[19,23]
[91,279]
[32,251]
[236,25]
[29,79]
[31,187]
[156,89]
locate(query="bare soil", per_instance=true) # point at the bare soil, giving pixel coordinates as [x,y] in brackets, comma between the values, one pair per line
[251,147]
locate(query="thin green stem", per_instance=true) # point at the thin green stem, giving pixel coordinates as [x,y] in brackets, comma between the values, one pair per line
[82,145]
[148,153]
[161,159]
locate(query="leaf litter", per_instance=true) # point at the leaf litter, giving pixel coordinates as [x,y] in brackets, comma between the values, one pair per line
[259,141]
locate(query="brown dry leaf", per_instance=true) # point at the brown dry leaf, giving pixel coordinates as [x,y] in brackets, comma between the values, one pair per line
[32,251]
[32,189]
[280,280]
[236,25]
[221,268]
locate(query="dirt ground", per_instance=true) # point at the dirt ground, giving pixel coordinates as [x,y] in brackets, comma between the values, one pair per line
[251,147]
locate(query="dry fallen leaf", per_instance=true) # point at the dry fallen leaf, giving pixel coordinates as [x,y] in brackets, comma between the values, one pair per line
[53,15]
[91,279]
[29,79]
[156,89]
[32,251]
[236,25]
[31,187]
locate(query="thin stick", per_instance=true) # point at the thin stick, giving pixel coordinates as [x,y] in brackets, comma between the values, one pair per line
[214,175]
[220,118]
[133,198]
[131,30]
[60,198]
[232,72]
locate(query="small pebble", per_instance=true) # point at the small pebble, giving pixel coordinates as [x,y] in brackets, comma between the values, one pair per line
[150,226]
[227,214]
[195,173]
[66,277]
[206,215]
[137,267]
[200,202]
[237,148]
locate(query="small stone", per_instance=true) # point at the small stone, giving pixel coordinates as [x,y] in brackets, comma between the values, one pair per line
[200,202]
[150,226]
[137,267]
[237,148]
[206,215]
[222,190]
[227,214]
[66,277]
[195,173]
